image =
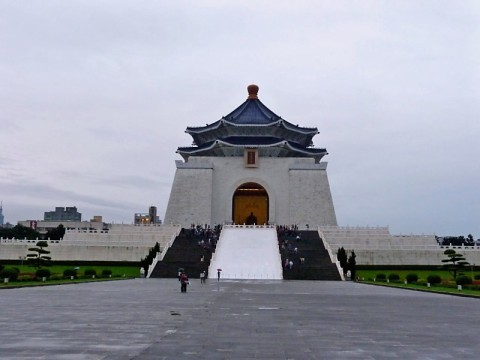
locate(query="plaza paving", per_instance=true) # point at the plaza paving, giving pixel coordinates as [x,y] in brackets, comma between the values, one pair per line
[150,319]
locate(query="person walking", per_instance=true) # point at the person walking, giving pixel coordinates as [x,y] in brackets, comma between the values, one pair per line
[184,282]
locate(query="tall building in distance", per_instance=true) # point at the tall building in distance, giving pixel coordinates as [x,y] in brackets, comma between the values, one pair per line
[152,211]
[2,218]
[63,214]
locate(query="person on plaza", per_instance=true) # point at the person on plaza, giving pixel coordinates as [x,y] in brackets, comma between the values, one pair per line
[202,277]
[184,282]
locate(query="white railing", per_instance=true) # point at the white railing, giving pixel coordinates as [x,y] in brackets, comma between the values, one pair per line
[333,256]
[370,246]
[244,226]
[153,264]
[26,241]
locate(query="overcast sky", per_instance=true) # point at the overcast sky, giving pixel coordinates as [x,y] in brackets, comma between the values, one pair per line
[95,97]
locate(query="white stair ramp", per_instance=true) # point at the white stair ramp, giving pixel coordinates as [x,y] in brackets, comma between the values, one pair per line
[247,252]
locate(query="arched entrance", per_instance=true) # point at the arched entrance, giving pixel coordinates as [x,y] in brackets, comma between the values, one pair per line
[250,204]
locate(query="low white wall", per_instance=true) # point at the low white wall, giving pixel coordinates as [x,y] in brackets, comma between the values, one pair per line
[376,246]
[122,243]
[60,252]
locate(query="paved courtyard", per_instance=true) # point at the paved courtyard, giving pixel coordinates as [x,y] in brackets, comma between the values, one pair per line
[150,319]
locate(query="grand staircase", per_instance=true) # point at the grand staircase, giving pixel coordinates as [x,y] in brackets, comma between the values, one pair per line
[184,253]
[317,264]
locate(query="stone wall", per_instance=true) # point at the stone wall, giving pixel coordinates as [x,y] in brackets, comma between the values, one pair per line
[310,199]
[120,243]
[298,190]
[376,246]
[190,199]
[62,252]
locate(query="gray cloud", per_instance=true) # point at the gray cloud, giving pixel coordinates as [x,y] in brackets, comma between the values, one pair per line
[96,96]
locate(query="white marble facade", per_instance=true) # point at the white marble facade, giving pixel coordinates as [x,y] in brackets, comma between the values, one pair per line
[298,190]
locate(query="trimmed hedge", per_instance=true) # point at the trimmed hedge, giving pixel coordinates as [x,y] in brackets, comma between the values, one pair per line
[381,277]
[463,280]
[434,279]
[10,273]
[106,272]
[69,273]
[411,278]
[393,277]
[90,272]
[41,273]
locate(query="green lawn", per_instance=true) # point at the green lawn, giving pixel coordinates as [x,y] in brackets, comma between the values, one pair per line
[369,275]
[56,273]
[127,270]
[434,288]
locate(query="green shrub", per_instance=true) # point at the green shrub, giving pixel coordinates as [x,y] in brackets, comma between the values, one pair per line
[393,277]
[68,273]
[434,279]
[106,272]
[41,273]
[10,273]
[90,272]
[381,277]
[477,277]
[56,277]
[411,278]
[463,280]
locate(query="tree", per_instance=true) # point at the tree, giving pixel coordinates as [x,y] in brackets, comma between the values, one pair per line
[454,262]
[19,232]
[342,259]
[470,240]
[56,233]
[352,265]
[152,254]
[39,256]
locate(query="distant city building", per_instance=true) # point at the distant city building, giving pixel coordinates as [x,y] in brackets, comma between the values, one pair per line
[147,218]
[2,218]
[97,219]
[63,214]
[141,218]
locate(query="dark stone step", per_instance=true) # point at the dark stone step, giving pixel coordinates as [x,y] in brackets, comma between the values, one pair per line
[317,265]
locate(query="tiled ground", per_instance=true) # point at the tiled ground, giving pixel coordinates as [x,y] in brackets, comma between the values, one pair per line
[150,319]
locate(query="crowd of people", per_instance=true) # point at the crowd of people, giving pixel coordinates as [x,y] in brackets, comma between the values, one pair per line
[288,238]
[206,236]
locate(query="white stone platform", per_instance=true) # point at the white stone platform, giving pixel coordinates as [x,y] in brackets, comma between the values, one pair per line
[376,246]
[247,252]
